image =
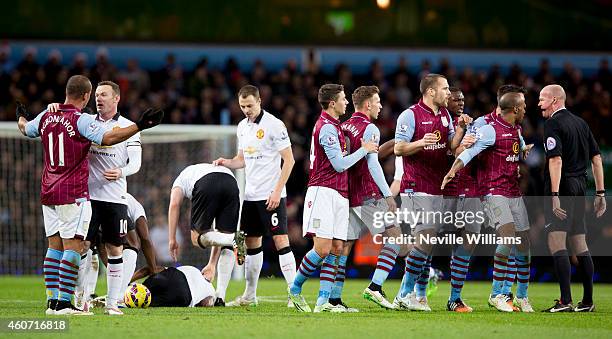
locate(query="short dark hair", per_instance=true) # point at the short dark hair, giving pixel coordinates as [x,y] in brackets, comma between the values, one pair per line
[77,87]
[329,93]
[509,88]
[429,81]
[247,90]
[454,89]
[363,93]
[509,100]
[113,85]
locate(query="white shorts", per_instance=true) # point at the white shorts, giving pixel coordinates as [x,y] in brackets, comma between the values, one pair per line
[425,211]
[501,210]
[468,213]
[70,220]
[326,213]
[368,218]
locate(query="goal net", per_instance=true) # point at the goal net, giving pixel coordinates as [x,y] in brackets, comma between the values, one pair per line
[167,150]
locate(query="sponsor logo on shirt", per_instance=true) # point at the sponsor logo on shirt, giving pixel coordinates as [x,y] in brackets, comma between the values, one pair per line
[515,147]
[438,135]
[250,150]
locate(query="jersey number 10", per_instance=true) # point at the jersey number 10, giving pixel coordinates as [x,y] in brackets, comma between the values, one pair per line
[60,143]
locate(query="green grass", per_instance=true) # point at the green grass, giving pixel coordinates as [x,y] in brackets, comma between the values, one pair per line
[23,297]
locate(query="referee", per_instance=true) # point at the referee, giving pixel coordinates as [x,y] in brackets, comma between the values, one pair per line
[569,146]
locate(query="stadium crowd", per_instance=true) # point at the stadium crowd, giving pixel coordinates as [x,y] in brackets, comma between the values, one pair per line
[205,95]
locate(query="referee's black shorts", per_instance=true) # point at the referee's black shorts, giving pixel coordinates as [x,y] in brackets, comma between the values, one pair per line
[257,221]
[572,191]
[215,197]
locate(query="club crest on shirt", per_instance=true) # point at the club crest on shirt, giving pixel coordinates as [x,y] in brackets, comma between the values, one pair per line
[551,143]
[444,121]
[259,134]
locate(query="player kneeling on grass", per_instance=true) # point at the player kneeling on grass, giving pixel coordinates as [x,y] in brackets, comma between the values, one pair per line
[214,196]
[184,286]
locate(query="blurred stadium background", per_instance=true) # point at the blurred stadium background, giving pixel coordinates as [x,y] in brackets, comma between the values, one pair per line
[191,58]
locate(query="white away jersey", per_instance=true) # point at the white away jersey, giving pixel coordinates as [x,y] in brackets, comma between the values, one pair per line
[199,287]
[191,174]
[102,158]
[135,209]
[260,142]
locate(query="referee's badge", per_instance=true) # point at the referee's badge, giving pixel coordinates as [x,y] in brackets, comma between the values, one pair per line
[551,143]
[259,134]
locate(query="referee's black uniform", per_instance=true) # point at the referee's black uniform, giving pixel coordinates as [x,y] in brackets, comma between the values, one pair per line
[568,136]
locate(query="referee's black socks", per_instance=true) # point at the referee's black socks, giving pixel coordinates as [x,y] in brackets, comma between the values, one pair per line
[585,268]
[563,270]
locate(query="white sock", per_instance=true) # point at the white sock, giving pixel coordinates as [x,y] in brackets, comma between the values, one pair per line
[91,278]
[214,238]
[287,266]
[225,266]
[114,278]
[130,256]
[252,268]
[82,278]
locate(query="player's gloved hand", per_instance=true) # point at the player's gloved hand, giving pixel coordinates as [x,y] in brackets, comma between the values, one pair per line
[150,118]
[21,111]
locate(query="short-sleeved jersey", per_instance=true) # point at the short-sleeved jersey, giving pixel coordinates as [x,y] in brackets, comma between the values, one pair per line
[464,183]
[424,170]
[191,174]
[135,209]
[322,173]
[568,136]
[102,158]
[169,288]
[261,142]
[498,148]
[66,136]
[361,184]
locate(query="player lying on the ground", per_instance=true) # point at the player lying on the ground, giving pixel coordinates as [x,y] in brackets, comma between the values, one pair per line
[184,286]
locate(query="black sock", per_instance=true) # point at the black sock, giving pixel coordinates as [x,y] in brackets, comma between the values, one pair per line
[563,271]
[375,287]
[335,301]
[585,269]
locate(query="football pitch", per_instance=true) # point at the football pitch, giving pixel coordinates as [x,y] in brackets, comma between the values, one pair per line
[23,298]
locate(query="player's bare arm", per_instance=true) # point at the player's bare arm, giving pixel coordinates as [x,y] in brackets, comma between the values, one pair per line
[234,163]
[462,124]
[457,166]
[554,167]
[385,150]
[403,148]
[146,245]
[599,204]
[176,197]
[288,162]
